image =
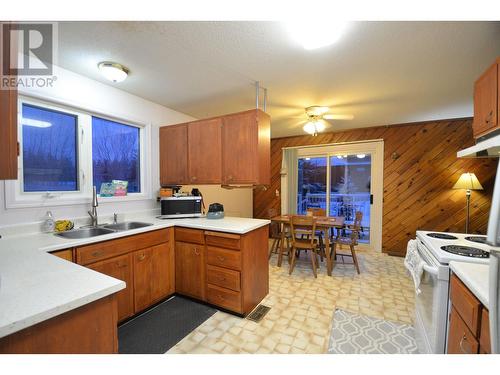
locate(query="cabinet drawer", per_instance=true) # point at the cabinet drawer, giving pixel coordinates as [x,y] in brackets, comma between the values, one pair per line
[107,249]
[466,304]
[189,235]
[225,298]
[223,277]
[224,258]
[219,239]
[484,337]
[460,338]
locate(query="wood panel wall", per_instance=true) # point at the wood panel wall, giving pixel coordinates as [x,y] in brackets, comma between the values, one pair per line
[420,168]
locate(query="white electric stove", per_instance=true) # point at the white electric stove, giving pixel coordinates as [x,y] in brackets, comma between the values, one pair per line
[437,249]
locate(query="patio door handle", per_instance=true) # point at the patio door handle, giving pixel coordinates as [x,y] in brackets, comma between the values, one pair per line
[371,198]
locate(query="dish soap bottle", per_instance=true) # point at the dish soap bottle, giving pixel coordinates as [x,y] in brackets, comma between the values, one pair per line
[48,223]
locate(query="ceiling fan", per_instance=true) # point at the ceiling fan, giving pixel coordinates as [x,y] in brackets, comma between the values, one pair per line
[316,116]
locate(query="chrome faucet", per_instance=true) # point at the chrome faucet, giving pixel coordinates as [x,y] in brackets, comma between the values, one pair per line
[93,213]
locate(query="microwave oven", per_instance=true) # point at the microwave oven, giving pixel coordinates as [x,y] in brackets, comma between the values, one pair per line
[180,207]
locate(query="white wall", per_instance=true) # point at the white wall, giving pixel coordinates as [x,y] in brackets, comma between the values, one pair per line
[75,90]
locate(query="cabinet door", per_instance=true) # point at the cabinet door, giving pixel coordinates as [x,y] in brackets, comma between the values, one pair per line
[143,270]
[204,156]
[460,339]
[190,269]
[163,275]
[485,102]
[119,268]
[239,148]
[173,155]
[8,124]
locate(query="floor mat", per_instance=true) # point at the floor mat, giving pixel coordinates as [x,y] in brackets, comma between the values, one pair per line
[360,334]
[160,328]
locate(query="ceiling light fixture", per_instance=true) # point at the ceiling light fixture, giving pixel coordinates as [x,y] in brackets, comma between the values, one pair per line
[316,33]
[113,71]
[314,127]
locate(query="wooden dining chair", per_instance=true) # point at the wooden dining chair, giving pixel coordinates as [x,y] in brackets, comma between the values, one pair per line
[303,225]
[350,240]
[318,212]
[275,235]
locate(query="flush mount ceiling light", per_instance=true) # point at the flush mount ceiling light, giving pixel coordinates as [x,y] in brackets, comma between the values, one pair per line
[113,71]
[316,33]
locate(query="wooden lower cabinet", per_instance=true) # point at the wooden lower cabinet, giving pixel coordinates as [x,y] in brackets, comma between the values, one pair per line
[144,261]
[64,254]
[227,270]
[190,269]
[90,329]
[153,275]
[119,268]
[461,340]
[469,325]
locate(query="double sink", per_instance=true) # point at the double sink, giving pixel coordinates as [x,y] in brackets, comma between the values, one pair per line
[101,230]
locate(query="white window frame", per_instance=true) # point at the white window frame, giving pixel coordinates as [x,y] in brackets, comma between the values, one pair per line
[15,197]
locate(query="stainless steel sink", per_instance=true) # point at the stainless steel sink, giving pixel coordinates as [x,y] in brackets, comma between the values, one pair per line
[85,233]
[127,225]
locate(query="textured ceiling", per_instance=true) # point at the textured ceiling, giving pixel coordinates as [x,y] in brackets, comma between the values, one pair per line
[379,72]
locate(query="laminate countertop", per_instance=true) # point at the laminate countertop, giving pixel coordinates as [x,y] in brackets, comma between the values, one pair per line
[36,286]
[475,276]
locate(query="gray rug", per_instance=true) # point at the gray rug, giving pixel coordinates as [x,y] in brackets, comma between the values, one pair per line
[160,328]
[360,334]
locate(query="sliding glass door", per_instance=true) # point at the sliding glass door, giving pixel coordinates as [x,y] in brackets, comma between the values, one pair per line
[343,180]
[350,184]
[312,183]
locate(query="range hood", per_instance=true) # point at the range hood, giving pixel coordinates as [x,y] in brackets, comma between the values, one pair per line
[489,148]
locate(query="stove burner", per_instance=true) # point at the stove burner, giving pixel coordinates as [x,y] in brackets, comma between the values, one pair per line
[442,236]
[466,251]
[477,239]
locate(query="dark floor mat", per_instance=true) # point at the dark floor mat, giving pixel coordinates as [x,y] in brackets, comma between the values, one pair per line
[157,330]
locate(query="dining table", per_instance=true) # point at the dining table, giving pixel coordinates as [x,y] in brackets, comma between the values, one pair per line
[323,224]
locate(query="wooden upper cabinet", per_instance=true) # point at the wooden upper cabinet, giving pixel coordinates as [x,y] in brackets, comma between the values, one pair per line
[246,138]
[486,102]
[174,155]
[204,151]
[8,122]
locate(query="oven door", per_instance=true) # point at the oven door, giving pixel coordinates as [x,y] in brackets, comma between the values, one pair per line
[431,305]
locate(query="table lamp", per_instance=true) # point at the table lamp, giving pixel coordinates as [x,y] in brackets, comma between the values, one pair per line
[468,181]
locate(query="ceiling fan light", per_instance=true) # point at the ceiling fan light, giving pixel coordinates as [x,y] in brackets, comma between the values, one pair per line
[113,71]
[309,127]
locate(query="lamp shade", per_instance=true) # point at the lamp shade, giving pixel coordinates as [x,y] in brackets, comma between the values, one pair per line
[468,181]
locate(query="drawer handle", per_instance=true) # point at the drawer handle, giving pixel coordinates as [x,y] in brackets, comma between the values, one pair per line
[197,251]
[220,297]
[142,256]
[221,278]
[462,341]
[96,253]
[119,265]
[221,258]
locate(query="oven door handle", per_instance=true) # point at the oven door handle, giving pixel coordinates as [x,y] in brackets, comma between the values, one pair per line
[431,270]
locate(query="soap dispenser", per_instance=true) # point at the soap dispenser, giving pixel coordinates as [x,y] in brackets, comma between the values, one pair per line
[48,223]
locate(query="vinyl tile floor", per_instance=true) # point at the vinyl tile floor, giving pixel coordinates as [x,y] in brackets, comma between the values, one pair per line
[302,307]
